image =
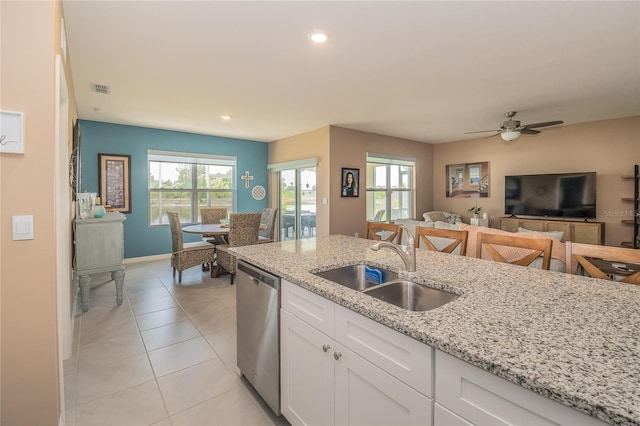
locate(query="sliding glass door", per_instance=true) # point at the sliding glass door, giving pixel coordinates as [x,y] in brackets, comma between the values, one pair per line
[297,203]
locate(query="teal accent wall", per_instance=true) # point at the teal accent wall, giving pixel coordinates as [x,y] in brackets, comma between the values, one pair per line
[140,239]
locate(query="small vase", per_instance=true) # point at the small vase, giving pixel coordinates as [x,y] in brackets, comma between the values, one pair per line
[99,211]
[475,215]
[485,215]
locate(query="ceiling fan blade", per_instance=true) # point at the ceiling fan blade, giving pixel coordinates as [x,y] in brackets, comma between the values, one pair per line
[545,124]
[527,131]
[481,131]
[492,136]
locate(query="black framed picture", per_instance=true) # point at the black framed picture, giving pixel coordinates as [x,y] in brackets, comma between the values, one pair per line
[350,182]
[115,185]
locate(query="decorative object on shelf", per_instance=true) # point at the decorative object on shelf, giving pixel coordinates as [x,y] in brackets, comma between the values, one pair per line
[258,192]
[99,211]
[115,184]
[86,204]
[467,180]
[246,178]
[75,166]
[349,181]
[485,215]
[11,132]
[475,210]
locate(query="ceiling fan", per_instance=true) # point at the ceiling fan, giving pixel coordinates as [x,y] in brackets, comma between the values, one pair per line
[511,129]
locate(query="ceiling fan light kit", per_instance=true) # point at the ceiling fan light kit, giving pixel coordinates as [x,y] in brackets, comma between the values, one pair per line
[510,135]
[510,130]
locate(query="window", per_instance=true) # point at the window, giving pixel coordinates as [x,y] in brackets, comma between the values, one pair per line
[185,183]
[474,175]
[390,190]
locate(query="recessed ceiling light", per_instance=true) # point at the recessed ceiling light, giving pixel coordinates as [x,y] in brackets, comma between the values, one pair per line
[226,117]
[319,37]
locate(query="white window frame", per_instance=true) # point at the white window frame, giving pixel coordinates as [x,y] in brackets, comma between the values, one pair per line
[194,159]
[388,161]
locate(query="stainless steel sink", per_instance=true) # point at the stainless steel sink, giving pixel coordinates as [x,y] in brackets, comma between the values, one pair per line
[355,276]
[411,296]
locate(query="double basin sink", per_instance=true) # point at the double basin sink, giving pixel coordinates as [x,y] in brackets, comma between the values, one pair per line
[402,293]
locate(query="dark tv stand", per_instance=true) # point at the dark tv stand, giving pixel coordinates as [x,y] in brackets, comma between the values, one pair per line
[577,231]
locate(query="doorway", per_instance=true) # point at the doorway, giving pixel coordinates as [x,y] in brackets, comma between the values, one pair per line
[297,201]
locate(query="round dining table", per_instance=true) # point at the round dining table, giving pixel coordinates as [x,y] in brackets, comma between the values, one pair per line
[206,228]
[219,231]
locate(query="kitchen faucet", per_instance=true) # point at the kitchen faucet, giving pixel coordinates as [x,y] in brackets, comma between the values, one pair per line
[408,256]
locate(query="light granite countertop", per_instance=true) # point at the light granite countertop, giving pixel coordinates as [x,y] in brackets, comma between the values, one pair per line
[572,339]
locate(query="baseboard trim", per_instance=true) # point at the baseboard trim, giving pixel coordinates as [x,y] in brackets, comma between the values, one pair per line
[147,258]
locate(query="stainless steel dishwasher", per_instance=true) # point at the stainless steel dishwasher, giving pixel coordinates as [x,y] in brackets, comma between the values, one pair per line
[258,314]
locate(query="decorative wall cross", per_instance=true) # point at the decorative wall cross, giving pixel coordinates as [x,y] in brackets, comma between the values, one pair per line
[247,177]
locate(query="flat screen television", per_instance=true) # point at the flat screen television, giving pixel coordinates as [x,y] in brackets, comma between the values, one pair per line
[562,195]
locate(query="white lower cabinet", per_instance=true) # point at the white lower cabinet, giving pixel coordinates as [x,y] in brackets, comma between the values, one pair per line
[307,381]
[444,417]
[466,394]
[341,368]
[324,382]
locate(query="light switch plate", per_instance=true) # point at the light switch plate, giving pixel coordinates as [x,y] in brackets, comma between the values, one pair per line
[23,227]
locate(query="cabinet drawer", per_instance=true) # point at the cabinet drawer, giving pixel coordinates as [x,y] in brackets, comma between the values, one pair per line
[313,309]
[401,356]
[484,398]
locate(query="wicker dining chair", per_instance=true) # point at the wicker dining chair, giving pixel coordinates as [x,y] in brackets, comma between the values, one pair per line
[268,219]
[243,231]
[212,215]
[186,255]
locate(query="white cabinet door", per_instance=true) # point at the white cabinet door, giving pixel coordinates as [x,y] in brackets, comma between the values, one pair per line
[324,382]
[366,395]
[444,417]
[306,372]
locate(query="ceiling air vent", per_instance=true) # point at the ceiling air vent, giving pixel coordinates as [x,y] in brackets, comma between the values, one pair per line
[101,88]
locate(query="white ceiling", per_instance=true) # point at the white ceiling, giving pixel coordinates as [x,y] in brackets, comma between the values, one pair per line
[423,70]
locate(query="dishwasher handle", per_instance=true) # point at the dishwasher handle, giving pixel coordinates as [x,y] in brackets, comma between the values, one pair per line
[258,276]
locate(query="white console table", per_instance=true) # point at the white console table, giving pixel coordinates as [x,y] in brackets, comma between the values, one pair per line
[99,247]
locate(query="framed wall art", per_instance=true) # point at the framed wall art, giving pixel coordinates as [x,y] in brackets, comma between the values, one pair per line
[350,182]
[11,132]
[467,180]
[115,184]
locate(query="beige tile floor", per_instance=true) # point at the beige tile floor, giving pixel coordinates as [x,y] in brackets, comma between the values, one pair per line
[166,356]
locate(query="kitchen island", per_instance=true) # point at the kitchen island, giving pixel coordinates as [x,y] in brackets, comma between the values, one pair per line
[571,339]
